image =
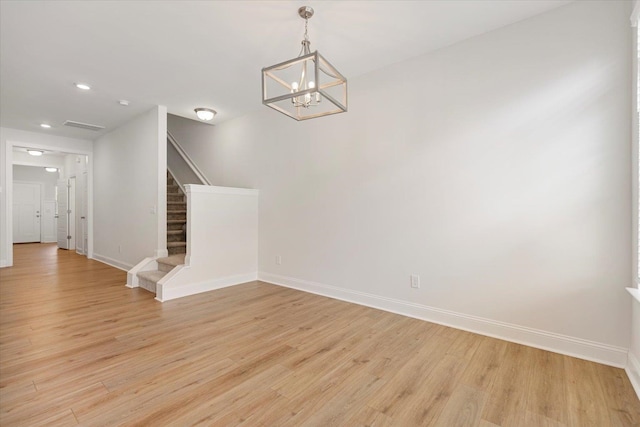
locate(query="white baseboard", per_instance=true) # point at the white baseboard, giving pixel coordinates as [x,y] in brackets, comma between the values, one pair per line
[112,262]
[570,346]
[169,291]
[3,263]
[633,372]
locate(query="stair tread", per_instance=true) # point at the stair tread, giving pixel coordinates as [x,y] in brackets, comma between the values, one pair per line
[152,275]
[176,221]
[176,244]
[177,259]
[172,232]
[177,211]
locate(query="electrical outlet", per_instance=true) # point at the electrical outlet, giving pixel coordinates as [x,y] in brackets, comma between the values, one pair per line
[278,260]
[415,281]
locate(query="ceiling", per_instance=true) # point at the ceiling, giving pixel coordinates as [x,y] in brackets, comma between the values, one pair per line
[188,54]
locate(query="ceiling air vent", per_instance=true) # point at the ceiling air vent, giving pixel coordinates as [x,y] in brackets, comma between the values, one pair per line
[82,125]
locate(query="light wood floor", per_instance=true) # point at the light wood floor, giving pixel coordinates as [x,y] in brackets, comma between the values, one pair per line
[78,347]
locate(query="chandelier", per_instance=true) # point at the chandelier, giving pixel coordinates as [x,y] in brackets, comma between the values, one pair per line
[307,86]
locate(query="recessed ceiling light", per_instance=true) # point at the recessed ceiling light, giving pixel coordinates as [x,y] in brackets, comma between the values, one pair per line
[35,152]
[44,125]
[83,86]
[123,102]
[205,113]
[49,169]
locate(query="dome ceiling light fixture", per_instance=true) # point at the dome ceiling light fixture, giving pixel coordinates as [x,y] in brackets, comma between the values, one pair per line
[205,113]
[51,169]
[305,87]
[35,152]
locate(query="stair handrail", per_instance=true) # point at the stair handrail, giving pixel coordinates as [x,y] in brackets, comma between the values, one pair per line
[187,159]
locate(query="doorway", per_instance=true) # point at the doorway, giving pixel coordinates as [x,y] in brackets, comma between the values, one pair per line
[70,160]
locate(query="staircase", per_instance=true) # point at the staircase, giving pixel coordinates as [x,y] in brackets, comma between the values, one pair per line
[176,237]
[176,218]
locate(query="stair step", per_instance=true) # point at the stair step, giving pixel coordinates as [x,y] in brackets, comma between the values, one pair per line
[152,275]
[172,260]
[178,250]
[149,279]
[176,244]
[169,263]
[176,202]
[176,221]
[177,211]
[174,232]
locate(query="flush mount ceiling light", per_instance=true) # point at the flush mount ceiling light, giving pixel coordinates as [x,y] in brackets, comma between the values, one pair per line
[205,113]
[45,126]
[83,86]
[35,152]
[307,86]
[49,169]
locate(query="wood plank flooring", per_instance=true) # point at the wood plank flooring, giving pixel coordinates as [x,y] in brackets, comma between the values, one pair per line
[79,348]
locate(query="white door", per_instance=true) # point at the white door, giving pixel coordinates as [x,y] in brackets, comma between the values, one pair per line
[62,198]
[26,212]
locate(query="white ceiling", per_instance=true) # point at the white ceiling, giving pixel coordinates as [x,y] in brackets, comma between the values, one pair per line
[187,54]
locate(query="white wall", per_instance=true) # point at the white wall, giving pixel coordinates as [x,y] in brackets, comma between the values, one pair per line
[130,191]
[38,175]
[74,165]
[497,169]
[20,138]
[633,365]
[197,137]
[222,242]
[25,159]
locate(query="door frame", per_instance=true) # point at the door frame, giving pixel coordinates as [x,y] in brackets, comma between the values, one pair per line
[8,169]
